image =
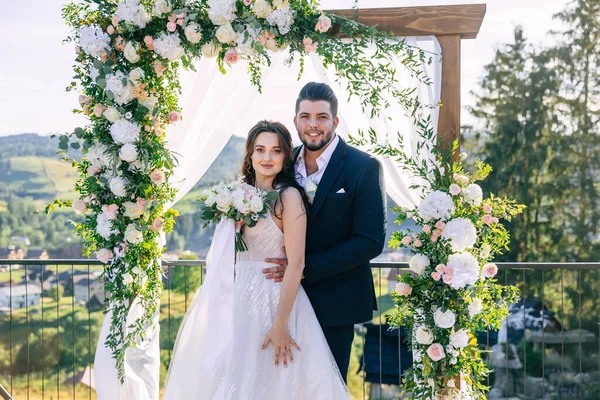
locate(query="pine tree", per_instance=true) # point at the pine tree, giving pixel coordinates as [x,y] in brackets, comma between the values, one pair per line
[576,59]
[516,105]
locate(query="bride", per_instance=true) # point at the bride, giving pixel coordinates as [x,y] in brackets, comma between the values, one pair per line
[275,348]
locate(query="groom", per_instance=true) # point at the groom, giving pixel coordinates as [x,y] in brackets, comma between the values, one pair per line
[346,221]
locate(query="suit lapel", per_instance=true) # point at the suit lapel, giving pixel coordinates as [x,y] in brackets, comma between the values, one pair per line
[333,169]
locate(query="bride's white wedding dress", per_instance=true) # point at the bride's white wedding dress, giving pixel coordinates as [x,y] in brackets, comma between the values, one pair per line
[250,373]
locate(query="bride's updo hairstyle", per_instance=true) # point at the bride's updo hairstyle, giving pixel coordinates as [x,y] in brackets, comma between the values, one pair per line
[285,178]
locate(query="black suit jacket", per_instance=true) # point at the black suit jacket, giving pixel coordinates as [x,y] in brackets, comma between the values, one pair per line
[345,232]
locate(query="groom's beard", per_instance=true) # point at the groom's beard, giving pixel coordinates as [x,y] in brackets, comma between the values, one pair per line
[315,146]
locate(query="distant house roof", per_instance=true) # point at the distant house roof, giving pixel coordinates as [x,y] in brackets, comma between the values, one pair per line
[85,281]
[66,275]
[36,253]
[21,290]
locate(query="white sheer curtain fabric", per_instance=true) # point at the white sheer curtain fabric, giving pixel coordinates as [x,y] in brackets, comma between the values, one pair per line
[216,106]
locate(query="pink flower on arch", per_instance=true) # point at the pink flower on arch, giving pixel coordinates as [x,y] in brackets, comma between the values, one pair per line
[158,176]
[436,352]
[309,45]
[231,56]
[489,270]
[173,117]
[403,289]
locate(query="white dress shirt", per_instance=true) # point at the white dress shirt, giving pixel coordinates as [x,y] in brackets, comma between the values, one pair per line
[322,161]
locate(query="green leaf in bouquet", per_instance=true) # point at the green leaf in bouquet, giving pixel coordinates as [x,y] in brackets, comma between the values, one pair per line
[146,189]
[98,64]
[272,196]
[249,221]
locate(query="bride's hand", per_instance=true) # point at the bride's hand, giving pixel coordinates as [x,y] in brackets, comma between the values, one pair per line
[279,335]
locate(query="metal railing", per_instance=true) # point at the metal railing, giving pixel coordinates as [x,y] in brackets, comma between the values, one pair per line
[47,348]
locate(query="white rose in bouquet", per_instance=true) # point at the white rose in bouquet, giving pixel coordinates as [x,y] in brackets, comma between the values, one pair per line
[123,131]
[161,7]
[211,198]
[262,9]
[128,153]
[149,102]
[475,307]
[461,233]
[132,13]
[283,18]
[192,33]
[418,263]
[118,186]
[94,41]
[169,46]
[466,269]
[460,338]
[226,34]
[98,155]
[131,52]
[137,75]
[104,226]
[210,50]
[444,319]
[485,251]
[127,278]
[221,12]
[256,204]
[123,93]
[238,200]
[436,205]
[112,114]
[132,235]
[132,210]
[223,201]
[473,194]
[104,255]
[423,335]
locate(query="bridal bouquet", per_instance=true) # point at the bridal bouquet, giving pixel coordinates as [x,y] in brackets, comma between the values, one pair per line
[238,201]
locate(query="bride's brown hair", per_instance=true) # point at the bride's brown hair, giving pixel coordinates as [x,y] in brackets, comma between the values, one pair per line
[285,178]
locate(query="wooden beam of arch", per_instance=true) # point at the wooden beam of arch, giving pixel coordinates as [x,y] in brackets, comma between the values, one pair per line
[463,20]
[449,24]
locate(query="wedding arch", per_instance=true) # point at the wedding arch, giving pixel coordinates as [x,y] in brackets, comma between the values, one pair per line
[387,62]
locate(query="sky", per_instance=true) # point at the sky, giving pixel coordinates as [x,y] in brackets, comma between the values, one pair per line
[36,67]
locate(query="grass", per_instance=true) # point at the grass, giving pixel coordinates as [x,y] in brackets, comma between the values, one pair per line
[16,275]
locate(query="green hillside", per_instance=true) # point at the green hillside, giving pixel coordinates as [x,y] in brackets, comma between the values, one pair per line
[41,178]
[28,168]
[32,175]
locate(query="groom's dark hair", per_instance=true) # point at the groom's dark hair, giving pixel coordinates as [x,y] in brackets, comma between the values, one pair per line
[315,91]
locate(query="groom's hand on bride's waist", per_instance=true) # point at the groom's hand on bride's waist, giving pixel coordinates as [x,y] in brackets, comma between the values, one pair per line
[276,273]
